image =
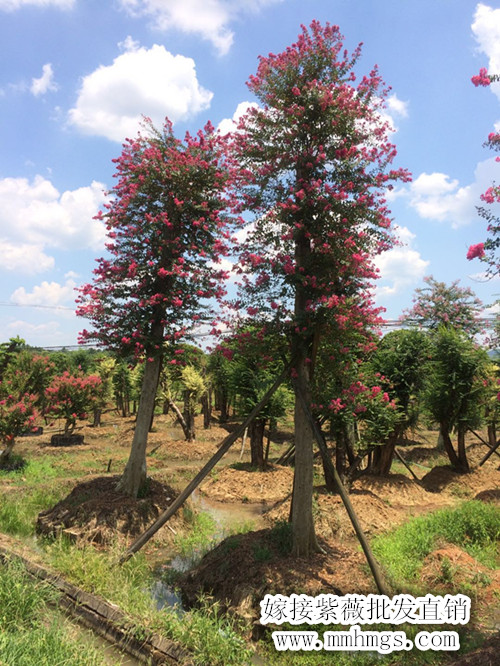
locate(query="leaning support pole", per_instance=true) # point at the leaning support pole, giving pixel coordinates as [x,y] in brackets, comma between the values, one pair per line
[493,449]
[490,453]
[406,465]
[342,492]
[224,447]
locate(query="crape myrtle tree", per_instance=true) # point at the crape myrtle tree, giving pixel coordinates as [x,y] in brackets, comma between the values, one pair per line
[347,399]
[438,304]
[487,251]
[167,230]
[316,156]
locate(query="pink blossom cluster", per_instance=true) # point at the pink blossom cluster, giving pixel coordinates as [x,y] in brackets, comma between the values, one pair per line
[481,79]
[17,413]
[70,397]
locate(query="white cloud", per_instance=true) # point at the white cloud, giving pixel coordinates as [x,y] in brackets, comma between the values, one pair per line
[35,216]
[150,82]
[208,18]
[13,5]
[397,106]
[45,83]
[228,125]
[436,196]
[486,30]
[43,335]
[394,109]
[24,258]
[401,267]
[50,294]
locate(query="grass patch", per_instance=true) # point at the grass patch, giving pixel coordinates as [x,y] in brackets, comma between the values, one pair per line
[31,634]
[192,545]
[19,511]
[31,472]
[211,638]
[281,536]
[473,526]
[97,572]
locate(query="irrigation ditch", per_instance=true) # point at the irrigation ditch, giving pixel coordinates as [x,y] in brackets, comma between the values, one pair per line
[103,618]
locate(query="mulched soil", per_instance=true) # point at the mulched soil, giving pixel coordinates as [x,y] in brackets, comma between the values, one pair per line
[240,485]
[245,567]
[94,511]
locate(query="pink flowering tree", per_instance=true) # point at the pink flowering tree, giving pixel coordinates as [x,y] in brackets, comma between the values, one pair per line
[438,304]
[487,250]
[70,397]
[17,416]
[22,396]
[346,394]
[30,374]
[167,231]
[316,158]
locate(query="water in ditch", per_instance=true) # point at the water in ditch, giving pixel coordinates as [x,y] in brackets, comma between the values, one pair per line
[226,517]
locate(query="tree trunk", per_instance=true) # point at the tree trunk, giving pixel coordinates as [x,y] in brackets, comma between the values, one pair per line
[135,473]
[97,417]
[8,445]
[189,417]
[304,541]
[206,403]
[223,406]
[340,461]
[180,418]
[257,443]
[462,453]
[492,435]
[444,432]
[382,457]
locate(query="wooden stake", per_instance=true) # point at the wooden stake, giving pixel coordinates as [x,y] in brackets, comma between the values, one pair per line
[224,447]
[406,465]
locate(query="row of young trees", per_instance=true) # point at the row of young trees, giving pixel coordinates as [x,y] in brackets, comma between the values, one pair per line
[437,373]
[34,386]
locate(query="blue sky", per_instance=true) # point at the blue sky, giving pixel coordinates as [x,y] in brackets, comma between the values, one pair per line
[76,75]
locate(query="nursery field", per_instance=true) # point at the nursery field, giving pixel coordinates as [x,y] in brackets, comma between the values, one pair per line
[229,545]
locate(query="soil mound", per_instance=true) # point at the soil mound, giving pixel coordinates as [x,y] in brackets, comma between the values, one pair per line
[439,478]
[487,655]
[245,567]
[448,564]
[396,489]
[241,485]
[94,511]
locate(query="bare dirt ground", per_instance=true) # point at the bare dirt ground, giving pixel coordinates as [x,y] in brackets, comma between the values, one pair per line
[245,567]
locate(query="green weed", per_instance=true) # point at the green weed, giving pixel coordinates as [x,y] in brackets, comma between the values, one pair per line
[474,526]
[19,511]
[212,638]
[30,633]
